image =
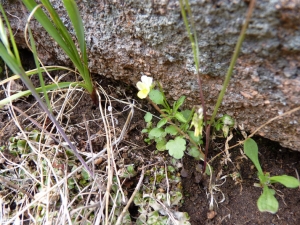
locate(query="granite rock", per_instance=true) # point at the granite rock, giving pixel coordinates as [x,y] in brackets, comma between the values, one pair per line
[126,39]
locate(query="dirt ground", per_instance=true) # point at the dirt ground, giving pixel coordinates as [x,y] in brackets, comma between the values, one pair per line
[237,193]
[239,206]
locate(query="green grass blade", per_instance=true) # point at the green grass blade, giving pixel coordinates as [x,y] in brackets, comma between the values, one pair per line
[64,33]
[50,87]
[58,32]
[233,60]
[76,20]
[12,40]
[61,35]
[34,71]
[47,24]
[37,63]
[193,36]
[17,68]
[13,65]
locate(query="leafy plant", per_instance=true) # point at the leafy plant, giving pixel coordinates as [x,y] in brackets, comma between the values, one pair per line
[171,132]
[267,201]
[225,123]
[60,34]
[177,130]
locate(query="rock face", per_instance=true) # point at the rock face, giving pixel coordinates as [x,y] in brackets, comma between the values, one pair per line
[126,39]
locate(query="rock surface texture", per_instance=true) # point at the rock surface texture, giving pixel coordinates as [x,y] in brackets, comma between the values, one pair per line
[126,39]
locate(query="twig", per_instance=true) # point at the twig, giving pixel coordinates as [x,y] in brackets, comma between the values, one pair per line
[131,198]
[274,118]
[254,132]
[86,124]
[109,152]
[36,123]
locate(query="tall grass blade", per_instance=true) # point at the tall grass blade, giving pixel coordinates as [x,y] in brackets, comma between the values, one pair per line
[34,71]
[5,39]
[233,60]
[37,63]
[13,65]
[76,20]
[50,87]
[60,34]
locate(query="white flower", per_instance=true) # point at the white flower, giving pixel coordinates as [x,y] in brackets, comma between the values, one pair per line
[144,86]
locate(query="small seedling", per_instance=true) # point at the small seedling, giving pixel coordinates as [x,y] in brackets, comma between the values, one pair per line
[225,123]
[267,201]
[18,146]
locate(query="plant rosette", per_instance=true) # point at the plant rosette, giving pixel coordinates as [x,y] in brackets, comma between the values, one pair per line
[267,201]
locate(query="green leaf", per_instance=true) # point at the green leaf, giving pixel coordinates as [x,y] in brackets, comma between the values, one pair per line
[138,199]
[176,147]
[156,96]
[180,117]
[251,150]
[184,127]
[228,120]
[161,144]
[77,23]
[209,170]
[175,198]
[267,202]
[171,130]
[178,103]
[145,130]
[218,125]
[194,152]
[131,170]
[157,132]
[162,122]
[85,175]
[34,135]
[22,146]
[171,169]
[288,181]
[148,117]
[153,217]
[197,139]
[187,114]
